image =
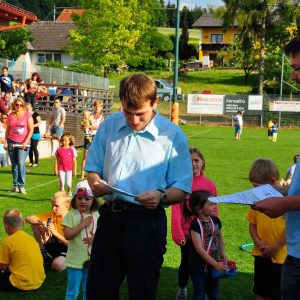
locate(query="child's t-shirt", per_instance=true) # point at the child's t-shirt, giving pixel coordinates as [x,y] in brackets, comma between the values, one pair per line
[65,158]
[78,251]
[215,251]
[270,231]
[23,255]
[55,219]
[274,129]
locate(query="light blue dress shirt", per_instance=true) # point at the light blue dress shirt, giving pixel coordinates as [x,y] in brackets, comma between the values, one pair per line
[293,218]
[156,157]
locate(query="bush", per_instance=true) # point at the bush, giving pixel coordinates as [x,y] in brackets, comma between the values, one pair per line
[54,64]
[147,63]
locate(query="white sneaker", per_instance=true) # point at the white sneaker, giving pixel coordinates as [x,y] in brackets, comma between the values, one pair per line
[15,189]
[22,191]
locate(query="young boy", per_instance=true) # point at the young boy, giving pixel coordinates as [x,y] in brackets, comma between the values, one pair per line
[21,261]
[48,231]
[268,235]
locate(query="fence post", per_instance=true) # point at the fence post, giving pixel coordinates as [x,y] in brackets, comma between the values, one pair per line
[24,70]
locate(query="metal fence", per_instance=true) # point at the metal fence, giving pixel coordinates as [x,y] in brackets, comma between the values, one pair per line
[20,72]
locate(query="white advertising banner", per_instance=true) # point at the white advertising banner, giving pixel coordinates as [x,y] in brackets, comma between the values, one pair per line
[255,102]
[293,106]
[205,104]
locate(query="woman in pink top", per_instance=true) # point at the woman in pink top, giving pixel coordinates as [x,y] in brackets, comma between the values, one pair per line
[17,140]
[181,225]
[65,163]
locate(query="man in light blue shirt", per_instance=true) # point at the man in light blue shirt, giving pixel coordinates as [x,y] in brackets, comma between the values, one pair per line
[274,207]
[144,154]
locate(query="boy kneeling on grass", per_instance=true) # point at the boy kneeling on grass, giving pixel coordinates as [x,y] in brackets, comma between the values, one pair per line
[49,232]
[268,235]
[21,262]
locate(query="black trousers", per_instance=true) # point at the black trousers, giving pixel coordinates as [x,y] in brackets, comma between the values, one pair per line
[5,284]
[184,268]
[33,151]
[128,243]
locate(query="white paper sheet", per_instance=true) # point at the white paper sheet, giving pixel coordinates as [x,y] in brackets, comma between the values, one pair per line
[248,196]
[114,189]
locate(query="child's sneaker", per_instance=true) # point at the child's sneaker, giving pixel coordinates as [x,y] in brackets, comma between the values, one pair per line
[181,294]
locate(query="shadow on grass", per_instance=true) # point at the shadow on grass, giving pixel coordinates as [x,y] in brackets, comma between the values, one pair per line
[9,195]
[54,287]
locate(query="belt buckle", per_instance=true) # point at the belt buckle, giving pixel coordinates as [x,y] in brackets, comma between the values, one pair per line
[114,207]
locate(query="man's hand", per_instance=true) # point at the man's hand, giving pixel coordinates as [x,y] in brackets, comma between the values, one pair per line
[93,180]
[149,199]
[272,207]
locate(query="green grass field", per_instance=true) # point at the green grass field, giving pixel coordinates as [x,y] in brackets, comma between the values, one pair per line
[194,34]
[227,163]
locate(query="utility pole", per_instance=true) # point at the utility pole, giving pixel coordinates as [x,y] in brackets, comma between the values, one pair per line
[175,106]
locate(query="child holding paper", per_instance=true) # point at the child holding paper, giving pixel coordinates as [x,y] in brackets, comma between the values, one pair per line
[268,235]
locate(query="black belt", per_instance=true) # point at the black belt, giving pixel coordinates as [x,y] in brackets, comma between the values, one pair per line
[119,206]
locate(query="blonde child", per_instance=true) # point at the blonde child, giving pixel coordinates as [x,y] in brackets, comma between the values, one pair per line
[48,231]
[21,262]
[65,162]
[207,249]
[79,227]
[268,235]
[86,126]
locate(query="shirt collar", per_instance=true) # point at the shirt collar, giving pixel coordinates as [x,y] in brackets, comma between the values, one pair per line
[151,128]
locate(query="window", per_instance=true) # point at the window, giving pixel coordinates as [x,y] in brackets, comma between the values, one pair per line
[57,57]
[216,38]
[43,57]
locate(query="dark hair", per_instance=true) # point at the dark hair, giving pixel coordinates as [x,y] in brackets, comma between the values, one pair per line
[4,68]
[296,158]
[196,200]
[198,152]
[94,206]
[136,89]
[293,47]
[38,77]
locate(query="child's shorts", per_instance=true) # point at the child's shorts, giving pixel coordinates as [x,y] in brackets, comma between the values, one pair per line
[55,248]
[267,278]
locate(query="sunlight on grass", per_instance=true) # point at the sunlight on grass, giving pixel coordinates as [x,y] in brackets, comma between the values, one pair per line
[227,163]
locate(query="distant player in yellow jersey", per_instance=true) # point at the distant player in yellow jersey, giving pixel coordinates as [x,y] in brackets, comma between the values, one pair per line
[269,125]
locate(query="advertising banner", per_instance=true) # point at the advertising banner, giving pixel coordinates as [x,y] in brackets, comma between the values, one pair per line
[205,104]
[235,103]
[292,106]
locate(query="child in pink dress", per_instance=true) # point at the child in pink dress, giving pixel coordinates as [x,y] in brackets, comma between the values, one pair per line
[181,224]
[65,163]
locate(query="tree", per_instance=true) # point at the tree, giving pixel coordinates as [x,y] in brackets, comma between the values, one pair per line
[243,52]
[108,31]
[255,16]
[13,43]
[171,15]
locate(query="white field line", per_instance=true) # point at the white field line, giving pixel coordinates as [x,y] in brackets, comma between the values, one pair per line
[199,133]
[43,184]
[37,186]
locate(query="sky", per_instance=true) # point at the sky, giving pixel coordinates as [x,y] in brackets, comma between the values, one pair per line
[202,3]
